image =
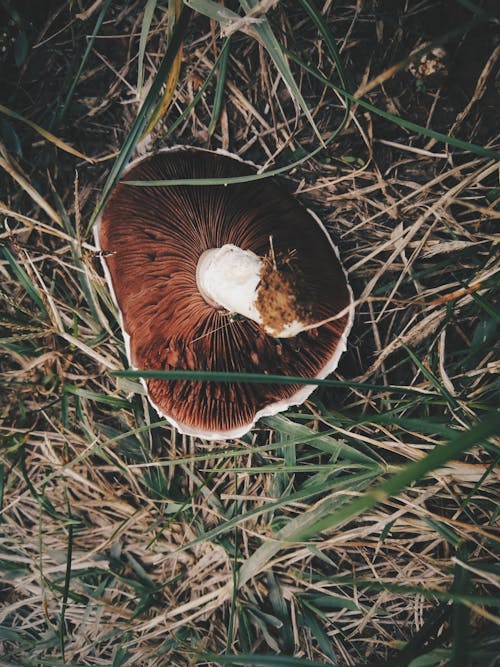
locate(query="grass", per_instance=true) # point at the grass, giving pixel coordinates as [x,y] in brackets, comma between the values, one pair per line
[360,529]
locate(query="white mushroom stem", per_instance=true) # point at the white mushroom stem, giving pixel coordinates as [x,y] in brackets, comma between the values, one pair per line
[228,277]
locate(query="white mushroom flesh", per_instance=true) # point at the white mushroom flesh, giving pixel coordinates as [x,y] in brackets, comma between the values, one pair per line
[228,277]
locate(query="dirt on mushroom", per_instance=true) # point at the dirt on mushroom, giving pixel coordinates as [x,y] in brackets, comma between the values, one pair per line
[281,297]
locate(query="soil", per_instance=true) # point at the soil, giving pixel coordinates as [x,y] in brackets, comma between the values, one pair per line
[282,296]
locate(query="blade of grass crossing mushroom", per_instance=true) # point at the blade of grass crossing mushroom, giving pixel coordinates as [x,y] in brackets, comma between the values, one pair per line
[174,10]
[144,114]
[149,11]
[262,378]
[326,515]
[273,47]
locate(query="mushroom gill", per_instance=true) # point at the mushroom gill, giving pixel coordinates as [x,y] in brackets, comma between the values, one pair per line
[152,239]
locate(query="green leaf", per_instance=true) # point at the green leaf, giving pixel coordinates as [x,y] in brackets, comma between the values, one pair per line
[116,402]
[324,601]
[220,88]
[280,610]
[460,618]
[493,194]
[484,332]
[445,531]
[434,657]
[214,10]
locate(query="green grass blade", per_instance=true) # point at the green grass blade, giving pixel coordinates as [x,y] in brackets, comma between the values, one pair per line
[460,617]
[76,78]
[317,18]
[262,378]
[273,47]
[149,11]
[214,10]
[220,88]
[311,619]
[351,481]
[301,433]
[327,516]
[371,585]
[67,580]
[432,379]
[82,271]
[114,401]
[145,112]
[479,11]
[402,122]
[200,92]
[239,179]
[2,489]
[24,280]
[422,641]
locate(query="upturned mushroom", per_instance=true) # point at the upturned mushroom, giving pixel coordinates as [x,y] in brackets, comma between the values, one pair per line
[225,278]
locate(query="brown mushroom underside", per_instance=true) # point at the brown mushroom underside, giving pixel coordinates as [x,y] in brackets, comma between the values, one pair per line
[152,238]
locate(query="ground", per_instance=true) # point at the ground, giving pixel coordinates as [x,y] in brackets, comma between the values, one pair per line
[121,539]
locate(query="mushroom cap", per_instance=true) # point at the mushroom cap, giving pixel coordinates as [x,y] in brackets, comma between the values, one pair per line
[151,240]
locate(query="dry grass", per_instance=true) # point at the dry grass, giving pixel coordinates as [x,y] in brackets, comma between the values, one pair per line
[105,550]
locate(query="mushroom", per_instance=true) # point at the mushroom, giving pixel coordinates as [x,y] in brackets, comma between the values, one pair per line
[227,278]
